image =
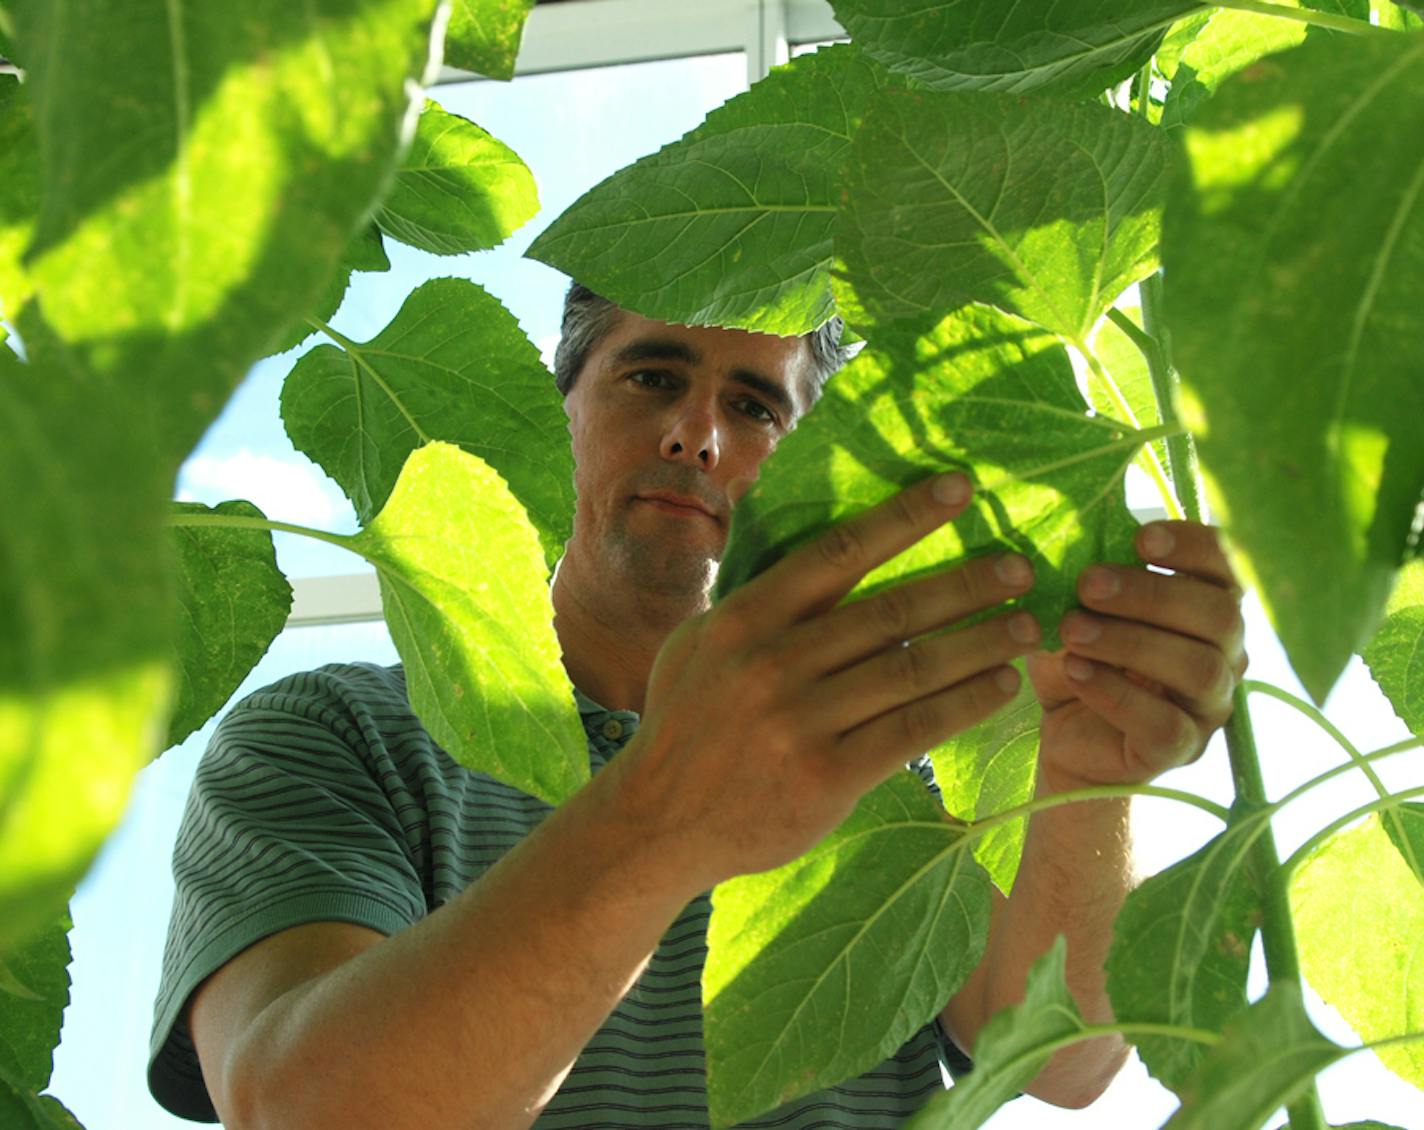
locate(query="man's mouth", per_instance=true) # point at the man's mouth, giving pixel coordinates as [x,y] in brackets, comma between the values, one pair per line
[678,505]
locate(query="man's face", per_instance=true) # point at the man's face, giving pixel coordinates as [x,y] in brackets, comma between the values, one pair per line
[670,424]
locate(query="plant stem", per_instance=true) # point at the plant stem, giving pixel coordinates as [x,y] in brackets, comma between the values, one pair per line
[1330,774]
[1306,16]
[244,522]
[1383,804]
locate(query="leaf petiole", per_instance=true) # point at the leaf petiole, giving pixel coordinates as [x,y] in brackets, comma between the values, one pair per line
[242,522]
[1096,792]
[1383,804]
[1329,20]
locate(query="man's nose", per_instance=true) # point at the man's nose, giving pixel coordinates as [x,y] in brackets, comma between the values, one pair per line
[691,437]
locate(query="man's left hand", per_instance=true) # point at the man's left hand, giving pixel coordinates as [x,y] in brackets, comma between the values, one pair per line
[1149,664]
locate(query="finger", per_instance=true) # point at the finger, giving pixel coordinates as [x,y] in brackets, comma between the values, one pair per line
[872,751]
[1187,547]
[1176,603]
[819,574]
[863,628]
[900,675]
[1157,733]
[1198,675]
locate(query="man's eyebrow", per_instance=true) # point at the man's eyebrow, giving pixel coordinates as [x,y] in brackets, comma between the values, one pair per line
[671,349]
[769,389]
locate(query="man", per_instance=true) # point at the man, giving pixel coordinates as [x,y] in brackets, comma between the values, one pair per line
[327,993]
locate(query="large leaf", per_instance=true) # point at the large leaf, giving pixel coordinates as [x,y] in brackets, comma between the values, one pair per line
[30,1018]
[1405,828]
[1126,381]
[819,970]
[732,224]
[21,1109]
[85,670]
[1073,47]
[982,391]
[988,769]
[465,594]
[454,366]
[1045,209]
[19,192]
[204,166]
[1011,1049]
[234,602]
[1266,1058]
[1359,919]
[1181,950]
[1396,653]
[484,35]
[1294,255]
[458,188]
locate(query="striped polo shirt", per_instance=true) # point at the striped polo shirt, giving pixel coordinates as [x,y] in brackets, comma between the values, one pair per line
[322,798]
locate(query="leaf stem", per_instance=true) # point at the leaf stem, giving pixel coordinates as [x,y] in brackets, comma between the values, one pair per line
[1330,774]
[1306,16]
[1144,435]
[1095,792]
[1388,1041]
[1384,803]
[244,522]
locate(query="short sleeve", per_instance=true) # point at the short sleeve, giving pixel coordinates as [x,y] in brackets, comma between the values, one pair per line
[297,814]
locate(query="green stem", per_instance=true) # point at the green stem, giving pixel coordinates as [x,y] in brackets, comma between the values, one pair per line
[1330,774]
[1181,455]
[1306,16]
[243,522]
[1382,804]
[1095,792]
[1389,1041]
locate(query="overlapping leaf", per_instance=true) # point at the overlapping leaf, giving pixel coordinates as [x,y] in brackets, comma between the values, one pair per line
[234,601]
[465,594]
[204,165]
[1126,380]
[1044,209]
[454,366]
[819,970]
[19,192]
[1181,951]
[1074,47]
[23,1110]
[366,252]
[983,391]
[1012,1048]
[731,225]
[458,188]
[483,35]
[1294,254]
[1359,919]
[1396,653]
[1405,827]
[32,1006]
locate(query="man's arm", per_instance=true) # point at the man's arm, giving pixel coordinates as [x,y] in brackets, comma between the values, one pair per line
[1145,677]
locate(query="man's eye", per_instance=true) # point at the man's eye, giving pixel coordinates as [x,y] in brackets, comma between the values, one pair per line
[650,378]
[758,411]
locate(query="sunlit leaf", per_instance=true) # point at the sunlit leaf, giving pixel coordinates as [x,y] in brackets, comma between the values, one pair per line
[234,602]
[982,391]
[1400,17]
[458,188]
[1181,951]
[464,588]
[1127,381]
[732,224]
[1362,942]
[1395,655]
[1011,1049]
[1042,208]
[30,1021]
[1294,255]
[819,970]
[483,35]
[1073,47]
[454,366]
[204,165]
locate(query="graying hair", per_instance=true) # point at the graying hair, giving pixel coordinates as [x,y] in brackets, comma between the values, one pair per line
[588,317]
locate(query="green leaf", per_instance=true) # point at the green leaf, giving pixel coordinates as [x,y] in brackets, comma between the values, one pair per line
[1266,1058]
[30,1021]
[1405,827]
[365,252]
[234,602]
[1179,38]
[988,769]
[732,224]
[21,1109]
[819,970]
[454,366]
[204,165]
[1297,313]
[85,671]
[1362,943]
[1128,381]
[1395,655]
[19,193]
[1042,208]
[1398,16]
[458,189]
[1077,47]
[982,391]
[1011,1050]
[1181,950]
[467,602]
[483,35]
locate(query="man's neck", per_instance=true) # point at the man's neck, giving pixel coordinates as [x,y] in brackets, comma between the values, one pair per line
[611,634]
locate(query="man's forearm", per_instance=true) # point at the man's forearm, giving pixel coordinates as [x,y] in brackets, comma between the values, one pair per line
[473,1016]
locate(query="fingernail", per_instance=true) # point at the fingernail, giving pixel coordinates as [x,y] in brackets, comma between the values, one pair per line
[1078,628]
[1007,679]
[1080,670]
[1157,541]
[1014,570]
[1023,627]
[1101,583]
[952,489]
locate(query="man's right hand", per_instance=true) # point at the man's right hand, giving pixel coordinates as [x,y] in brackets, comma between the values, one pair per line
[767,718]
